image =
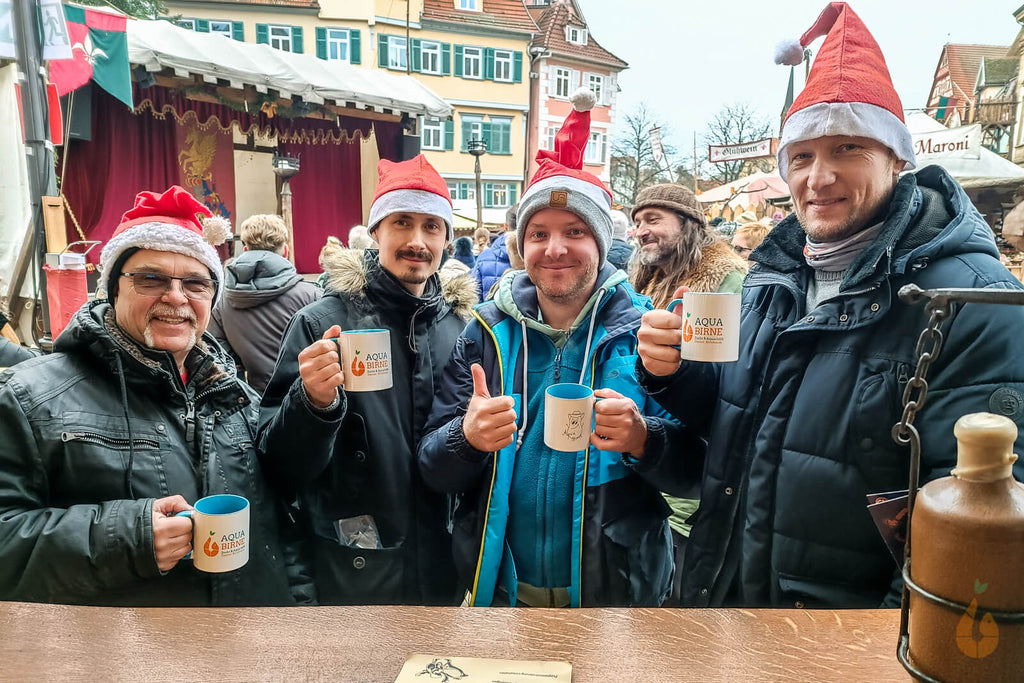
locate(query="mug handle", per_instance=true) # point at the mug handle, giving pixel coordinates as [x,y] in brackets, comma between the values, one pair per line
[672,304]
[188,513]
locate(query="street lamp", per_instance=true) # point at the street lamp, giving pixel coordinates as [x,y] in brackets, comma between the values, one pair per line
[478,148]
[286,167]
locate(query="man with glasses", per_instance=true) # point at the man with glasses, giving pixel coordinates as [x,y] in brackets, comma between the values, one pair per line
[135,416]
[748,237]
[676,247]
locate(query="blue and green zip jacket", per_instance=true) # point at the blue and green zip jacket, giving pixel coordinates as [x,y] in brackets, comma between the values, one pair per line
[603,535]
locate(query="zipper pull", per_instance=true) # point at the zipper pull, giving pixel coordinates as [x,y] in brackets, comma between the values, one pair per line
[558,364]
[190,421]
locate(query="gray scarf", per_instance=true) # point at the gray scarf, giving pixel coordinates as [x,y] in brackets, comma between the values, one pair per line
[837,256]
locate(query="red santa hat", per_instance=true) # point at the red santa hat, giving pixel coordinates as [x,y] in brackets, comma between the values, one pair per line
[560,182]
[413,185]
[848,91]
[173,221]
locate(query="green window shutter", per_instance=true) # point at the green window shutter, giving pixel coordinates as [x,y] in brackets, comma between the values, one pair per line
[237,30]
[297,40]
[489,63]
[467,131]
[382,51]
[413,53]
[517,67]
[321,42]
[512,188]
[463,190]
[202,26]
[353,46]
[485,131]
[487,196]
[449,135]
[262,34]
[458,61]
[446,59]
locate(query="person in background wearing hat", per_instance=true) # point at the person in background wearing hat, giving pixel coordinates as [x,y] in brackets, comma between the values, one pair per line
[800,427]
[620,250]
[534,526]
[136,414]
[748,237]
[349,457]
[262,291]
[678,248]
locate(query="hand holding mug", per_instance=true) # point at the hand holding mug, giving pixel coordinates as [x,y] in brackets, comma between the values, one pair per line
[172,536]
[618,424]
[320,369]
[490,422]
[658,339]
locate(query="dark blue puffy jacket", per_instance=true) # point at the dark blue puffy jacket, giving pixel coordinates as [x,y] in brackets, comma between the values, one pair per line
[490,264]
[799,427]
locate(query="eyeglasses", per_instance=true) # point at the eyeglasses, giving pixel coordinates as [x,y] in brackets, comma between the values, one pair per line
[156,284]
[742,251]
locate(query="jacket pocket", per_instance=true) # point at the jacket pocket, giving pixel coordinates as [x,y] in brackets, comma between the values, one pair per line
[877,408]
[102,455]
[358,576]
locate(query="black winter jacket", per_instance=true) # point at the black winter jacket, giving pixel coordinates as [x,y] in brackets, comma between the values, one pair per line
[800,427]
[90,436]
[360,458]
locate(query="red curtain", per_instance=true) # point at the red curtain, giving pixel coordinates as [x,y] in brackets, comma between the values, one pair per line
[326,197]
[127,154]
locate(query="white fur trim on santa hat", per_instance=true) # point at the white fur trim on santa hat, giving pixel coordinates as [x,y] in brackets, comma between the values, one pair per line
[856,119]
[586,200]
[415,201]
[789,52]
[158,237]
[583,99]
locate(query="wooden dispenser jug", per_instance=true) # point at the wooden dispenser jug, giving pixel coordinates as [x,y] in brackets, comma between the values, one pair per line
[967,565]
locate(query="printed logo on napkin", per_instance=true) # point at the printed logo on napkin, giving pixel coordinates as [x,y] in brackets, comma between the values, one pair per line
[421,668]
[889,511]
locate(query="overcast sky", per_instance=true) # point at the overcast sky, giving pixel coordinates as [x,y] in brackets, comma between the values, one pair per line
[687,58]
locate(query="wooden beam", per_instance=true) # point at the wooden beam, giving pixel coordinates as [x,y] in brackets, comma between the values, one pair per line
[55,226]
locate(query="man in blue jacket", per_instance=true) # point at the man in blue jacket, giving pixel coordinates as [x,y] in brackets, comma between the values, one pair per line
[799,428]
[534,526]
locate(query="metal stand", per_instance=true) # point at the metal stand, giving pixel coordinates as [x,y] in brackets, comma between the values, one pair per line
[929,344]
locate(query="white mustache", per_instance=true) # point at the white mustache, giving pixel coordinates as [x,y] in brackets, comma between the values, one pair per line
[167,311]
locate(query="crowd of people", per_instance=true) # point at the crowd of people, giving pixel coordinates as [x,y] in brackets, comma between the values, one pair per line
[703,484]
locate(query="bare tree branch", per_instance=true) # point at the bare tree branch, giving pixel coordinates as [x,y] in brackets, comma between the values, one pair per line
[734,124]
[633,166]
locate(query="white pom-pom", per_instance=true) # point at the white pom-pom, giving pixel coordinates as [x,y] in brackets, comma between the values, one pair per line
[583,99]
[789,52]
[216,230]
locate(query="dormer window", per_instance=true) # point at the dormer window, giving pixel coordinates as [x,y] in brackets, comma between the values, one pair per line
[576,35]
[468,5]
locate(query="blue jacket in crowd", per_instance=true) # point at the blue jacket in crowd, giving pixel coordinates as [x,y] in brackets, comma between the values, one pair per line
[491,263]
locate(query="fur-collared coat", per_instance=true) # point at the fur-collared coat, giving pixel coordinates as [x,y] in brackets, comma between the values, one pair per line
[719,270]
[356,462]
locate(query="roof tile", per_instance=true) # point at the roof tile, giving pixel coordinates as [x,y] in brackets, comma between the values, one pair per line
[552,22]
[510,15]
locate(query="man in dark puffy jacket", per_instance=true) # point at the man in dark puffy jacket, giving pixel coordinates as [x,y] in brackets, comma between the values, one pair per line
[377,534]
[262,291]
[136,415]
[799,428]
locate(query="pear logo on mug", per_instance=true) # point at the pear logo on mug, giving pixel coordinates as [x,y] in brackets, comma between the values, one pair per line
[220,528]
[711,326]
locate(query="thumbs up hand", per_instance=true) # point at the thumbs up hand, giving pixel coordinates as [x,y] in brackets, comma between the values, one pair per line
[320,369]
[490,423]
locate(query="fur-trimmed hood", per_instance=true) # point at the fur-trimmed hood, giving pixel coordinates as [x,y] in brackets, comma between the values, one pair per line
[348,271]
[717,263]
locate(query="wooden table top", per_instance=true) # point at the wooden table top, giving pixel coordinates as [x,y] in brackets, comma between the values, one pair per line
[59,642]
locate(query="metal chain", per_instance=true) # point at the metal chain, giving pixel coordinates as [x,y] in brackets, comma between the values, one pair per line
[929,344]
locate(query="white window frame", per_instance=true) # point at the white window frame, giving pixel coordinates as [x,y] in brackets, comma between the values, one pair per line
[596,148]
[279,41]
[549,139]
[398,52]
[599,91]
[575,35]
[190,24]
[468,5]
[505,59]
[562,74]
[470,191]
[338,38]
[431,129]
[453,190]
[499,195]
[430,49]
[225,29]
[474,56]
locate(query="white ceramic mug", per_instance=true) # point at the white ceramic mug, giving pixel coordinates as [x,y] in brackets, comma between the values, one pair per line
[568,417]
[711,326]
[365,359]
[220,533]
